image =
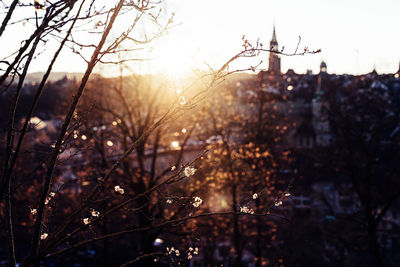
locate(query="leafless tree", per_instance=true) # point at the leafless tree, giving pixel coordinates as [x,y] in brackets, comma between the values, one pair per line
[60,21]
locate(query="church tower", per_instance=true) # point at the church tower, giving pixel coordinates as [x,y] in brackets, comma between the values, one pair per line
[274,59]
[320,108]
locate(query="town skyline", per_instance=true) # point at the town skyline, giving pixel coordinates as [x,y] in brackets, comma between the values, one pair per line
[355,37]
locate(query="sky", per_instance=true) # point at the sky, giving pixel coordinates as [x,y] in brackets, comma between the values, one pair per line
[354,35]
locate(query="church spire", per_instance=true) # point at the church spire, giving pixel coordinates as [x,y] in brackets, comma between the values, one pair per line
[274,59]
[274,41]
[274,36]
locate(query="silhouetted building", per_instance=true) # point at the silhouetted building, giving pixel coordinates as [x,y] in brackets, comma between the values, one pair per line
[274,66]
[320,109]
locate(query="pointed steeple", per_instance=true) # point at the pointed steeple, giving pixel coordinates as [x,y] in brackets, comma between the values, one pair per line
[373,72]
[274,41]
[274,59]
[274,36]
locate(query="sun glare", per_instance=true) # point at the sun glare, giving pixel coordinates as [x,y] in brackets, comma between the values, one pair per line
[173,57]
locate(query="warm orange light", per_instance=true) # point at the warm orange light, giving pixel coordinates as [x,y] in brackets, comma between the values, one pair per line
[174,145]
[174,56]
[110,143]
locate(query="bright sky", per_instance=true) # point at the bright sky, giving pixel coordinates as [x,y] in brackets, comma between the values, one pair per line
[354,35]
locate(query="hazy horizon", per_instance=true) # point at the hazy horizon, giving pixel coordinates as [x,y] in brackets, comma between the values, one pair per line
[355,36]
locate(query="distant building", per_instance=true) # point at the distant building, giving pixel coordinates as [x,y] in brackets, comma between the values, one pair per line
[320,109]
[274,66]
[305,99]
